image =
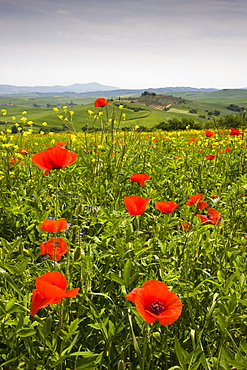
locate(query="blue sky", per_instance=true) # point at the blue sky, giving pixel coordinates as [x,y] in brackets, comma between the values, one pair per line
[127,44]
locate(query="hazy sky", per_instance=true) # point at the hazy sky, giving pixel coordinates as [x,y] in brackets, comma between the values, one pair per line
[124,43]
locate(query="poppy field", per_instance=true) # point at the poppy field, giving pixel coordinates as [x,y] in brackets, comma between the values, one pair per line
[123,250]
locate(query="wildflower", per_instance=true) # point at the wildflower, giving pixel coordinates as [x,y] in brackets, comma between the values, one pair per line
[50,289]
[53,226]
[55,247]
[154,301]
[13,160]
[197,198]
[234,131]
[24,112]
[23,150]
[166,207]
[101,102]
[54,157]
[209,133]
[55,109]
[210,157]
[44,123]
[135,205]
[212,217]
[185,225]
[4,112]
[61,143]
[139,177]
[90,112]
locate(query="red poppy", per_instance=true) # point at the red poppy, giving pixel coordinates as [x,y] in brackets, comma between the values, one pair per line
[101,102]
[53,226]
[197,198]
[227,149]
[212,217]
[210,157]
[13,160]
[234,131]
[209,133]
[61,143]
[139,177]
[166,207]
[54,157]
[154,301]
[135,205]
[50,289]
[192,139]
[55,247]
[185,225]
[23,150]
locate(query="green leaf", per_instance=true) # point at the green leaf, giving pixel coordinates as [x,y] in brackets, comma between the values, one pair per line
[26,332]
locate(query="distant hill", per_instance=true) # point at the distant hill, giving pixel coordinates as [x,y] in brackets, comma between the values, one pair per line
[87,89]
[75,88]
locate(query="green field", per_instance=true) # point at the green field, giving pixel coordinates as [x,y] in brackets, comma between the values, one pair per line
[40,109]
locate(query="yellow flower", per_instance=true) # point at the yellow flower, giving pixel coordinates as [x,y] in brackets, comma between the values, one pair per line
[9,131]
[44,123]
[24,112]
[90,112]
[136,127]
[36,142]
[51,133]
[60,117]
[55,109]
[124,115]
[121,106]
[100,114]
[41,133]
[65,107]
[13,118]
[16,124]
[53,141]
[23,119]
[4,112]
[30,123]
[26,133]
[71,112]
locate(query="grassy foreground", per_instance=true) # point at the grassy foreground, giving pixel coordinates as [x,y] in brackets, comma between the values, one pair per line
[111,252]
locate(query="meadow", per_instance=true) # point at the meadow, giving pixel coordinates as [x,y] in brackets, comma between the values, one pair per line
[122,250]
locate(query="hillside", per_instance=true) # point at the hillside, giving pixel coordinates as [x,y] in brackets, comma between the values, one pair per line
[156,101]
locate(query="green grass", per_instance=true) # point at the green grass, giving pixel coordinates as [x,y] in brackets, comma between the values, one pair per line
[112,252]
[100,329]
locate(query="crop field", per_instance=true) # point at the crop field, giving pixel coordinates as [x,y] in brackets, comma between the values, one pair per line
[122,250]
